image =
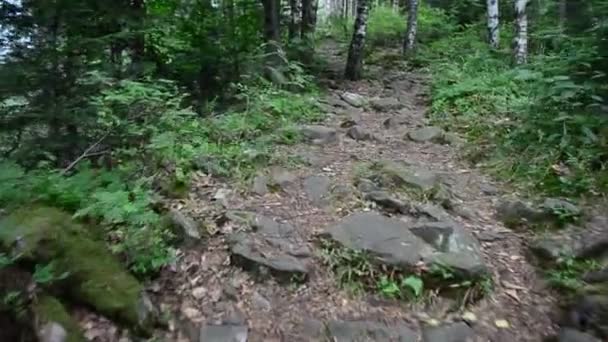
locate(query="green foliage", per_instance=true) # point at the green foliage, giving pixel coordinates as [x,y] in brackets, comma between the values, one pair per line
[539,125]
[46,274]
[566,274]
[385,26]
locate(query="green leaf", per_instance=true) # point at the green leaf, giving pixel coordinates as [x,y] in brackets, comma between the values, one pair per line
[414,283]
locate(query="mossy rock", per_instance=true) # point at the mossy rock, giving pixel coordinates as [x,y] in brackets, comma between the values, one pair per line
[96,277]
[50,309]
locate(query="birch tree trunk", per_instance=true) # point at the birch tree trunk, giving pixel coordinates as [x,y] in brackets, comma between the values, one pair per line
[520,44]
[493,24]
[409,45]
[354,63]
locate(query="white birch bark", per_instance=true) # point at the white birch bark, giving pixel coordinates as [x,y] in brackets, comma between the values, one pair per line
[354,63]
[520,44]
[409,45]
[493,24]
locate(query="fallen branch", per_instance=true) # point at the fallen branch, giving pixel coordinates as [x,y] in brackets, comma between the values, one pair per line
[87,153]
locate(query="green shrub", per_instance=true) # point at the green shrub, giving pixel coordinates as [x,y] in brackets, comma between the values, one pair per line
[386,26]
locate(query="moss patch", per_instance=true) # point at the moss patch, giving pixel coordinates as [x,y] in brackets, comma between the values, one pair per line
[49,309]
[96,277]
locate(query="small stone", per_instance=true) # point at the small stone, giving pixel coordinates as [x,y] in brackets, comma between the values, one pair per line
[358,133]
[281,177]
[383,199]
[221,196]
[260,185]
[469,317]
[223,333]
[488,189]
[516,212]
[431,133]
[317,188]
[502,324]
[199,292]
[386,104]
[188,229]
[259,302]
[348,123]
[191,313]
[455,332]
[52,332]
[558,206]
[353,99]
[453,139]
[391,123]
[319,135]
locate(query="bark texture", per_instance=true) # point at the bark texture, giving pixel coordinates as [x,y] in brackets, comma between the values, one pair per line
[354,63]
[520,44]
[493,24]
[409,46]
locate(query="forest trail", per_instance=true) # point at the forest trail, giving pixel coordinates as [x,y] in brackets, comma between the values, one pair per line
[220,300]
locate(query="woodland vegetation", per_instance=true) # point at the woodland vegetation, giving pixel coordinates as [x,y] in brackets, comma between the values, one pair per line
[106,106]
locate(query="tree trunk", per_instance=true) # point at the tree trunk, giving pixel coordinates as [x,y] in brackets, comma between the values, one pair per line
[520,44]
[493,24]
[309,18]
[409,45]
[138,43]
[272,31]
[293,20]
[354,63]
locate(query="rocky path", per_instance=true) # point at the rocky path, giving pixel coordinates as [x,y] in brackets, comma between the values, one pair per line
[373,176]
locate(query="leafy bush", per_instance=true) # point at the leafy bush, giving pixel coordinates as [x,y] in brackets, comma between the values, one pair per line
[386,26]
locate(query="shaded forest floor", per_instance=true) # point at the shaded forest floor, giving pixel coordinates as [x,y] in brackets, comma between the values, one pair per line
[208,287]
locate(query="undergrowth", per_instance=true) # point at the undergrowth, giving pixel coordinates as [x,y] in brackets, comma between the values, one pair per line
[539,125]
[116,187]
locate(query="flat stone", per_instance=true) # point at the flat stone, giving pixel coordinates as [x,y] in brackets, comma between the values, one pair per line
[455,332]
[281,177]
[572,335]
[488,189]
[392,123]
[52,332]
[386,104]
[358,133]
[223,333]
[186,228]
[396,243]
[555,206]
[353,99]
[260,185]
[363,331]
[365,185]
[516,212]
[396,174]
[388,202]
[452,139]
[317,188]
[431,133]
[319,135]
[259,302]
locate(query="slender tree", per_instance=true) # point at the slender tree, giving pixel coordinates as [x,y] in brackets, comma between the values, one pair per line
[294,14]
[520,43]
[354,63]
[493,24]
[409,45]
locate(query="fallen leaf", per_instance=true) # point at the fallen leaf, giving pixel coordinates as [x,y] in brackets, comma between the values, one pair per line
[469,317]
[513,294]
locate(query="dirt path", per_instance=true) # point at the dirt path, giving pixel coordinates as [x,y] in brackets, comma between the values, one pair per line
[205,286]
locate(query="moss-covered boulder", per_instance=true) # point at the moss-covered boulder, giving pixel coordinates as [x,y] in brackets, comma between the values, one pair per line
[96,277]
[49,310]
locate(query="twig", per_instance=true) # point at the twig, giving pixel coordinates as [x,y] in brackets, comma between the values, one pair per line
[85,154]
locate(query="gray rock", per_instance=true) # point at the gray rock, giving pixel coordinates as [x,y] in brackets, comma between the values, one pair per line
[590,311]
[386,104]
[435,213]
[457,248]
[455,332]
[186,228]
[259,302]
[516,212]
[358,133]
[319,135]
[363,331]
[452,139]
[396,174]
[392,123]
[52,332]
[395,243]
[223,333]
[260,185]
[353,99]
[488,189]
[431,133]
[599,276]
[572,335]
[348,123]
[317,188]
[269,244]
[281,177]
[388,202]
[275,76]
[557,206]
[366,185]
